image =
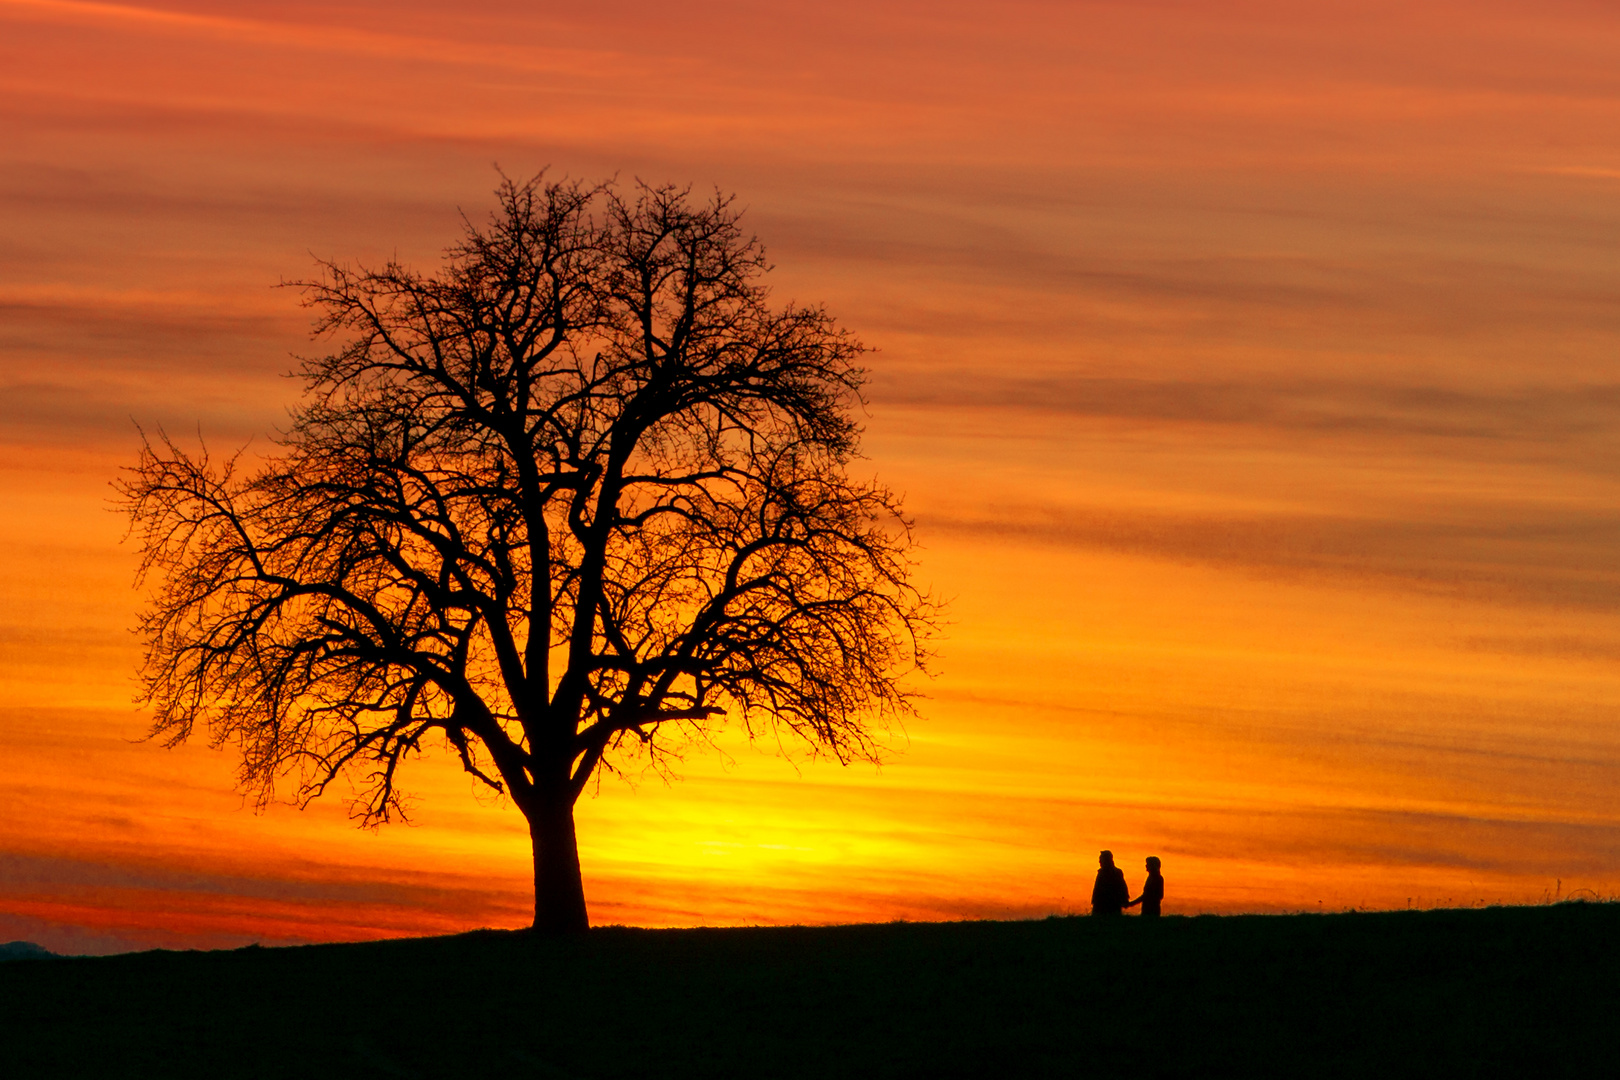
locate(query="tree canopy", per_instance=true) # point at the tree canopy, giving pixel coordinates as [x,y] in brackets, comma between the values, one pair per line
[564,505]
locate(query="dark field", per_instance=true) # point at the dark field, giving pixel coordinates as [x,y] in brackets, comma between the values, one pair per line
[1493,992]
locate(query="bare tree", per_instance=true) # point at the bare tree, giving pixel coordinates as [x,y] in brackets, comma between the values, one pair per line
[566,506]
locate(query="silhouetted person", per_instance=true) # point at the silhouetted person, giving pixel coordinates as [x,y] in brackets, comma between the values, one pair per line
[1152,890]
[1110,894]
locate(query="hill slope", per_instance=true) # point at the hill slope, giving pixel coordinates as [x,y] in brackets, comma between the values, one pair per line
[23,950]
[1454,993]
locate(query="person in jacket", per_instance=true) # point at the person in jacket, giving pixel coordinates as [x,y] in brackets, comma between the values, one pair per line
[1110,894]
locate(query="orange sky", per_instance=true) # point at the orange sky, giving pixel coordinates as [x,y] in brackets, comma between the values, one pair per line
[1253,370]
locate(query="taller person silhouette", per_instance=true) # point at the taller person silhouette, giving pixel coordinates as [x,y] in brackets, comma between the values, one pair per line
[1110,895]
[1152,890]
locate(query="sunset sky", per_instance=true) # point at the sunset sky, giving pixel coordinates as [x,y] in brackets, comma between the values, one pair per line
[1252,371]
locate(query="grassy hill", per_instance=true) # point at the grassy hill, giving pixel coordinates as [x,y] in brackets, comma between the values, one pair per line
[1493,992]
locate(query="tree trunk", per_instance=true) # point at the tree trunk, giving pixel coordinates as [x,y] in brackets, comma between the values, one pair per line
[559,891]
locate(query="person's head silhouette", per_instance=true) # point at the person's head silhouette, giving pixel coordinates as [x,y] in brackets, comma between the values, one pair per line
[1153,864]
[1105,858]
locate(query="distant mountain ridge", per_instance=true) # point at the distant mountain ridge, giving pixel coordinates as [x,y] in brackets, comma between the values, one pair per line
[23,950]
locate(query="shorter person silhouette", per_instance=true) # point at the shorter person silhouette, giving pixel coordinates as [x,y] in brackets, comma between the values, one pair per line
[1109,894]
[1152,890]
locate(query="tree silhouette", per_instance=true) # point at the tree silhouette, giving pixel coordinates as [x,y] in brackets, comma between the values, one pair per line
[566,505]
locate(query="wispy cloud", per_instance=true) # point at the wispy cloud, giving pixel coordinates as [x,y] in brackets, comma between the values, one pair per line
[1537,413]
[322,36]
[1550,559]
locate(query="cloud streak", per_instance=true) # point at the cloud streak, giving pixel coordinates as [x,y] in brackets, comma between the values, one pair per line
[1547,413]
